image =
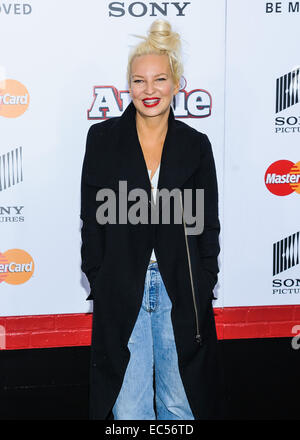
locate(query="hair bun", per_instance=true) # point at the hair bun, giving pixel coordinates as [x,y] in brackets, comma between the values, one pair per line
[161,36]
[161,39]
[161,27]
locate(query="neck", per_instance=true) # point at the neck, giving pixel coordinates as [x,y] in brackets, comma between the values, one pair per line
[152,127]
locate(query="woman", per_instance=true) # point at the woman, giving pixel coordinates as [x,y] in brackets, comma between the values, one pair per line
[151,283]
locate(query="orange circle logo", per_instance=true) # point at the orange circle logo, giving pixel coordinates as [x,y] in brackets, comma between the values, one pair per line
[16,266]
[14,98]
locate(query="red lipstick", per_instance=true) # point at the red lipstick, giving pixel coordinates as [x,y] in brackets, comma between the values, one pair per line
[151,102]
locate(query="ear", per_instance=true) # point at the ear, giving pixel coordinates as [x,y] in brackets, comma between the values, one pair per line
[176,88]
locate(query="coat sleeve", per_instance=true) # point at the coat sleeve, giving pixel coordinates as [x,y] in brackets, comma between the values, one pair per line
[208,240]
[92,233]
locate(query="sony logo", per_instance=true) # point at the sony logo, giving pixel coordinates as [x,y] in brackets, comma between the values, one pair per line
[287,282]
[8,210]
[140,9]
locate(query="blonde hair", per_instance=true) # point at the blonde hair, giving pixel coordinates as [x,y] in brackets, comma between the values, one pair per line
[161,40]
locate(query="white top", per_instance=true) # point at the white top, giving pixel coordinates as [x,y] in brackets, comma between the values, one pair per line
[154,182]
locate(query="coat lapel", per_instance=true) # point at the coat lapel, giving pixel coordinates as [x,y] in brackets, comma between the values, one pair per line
[180,156]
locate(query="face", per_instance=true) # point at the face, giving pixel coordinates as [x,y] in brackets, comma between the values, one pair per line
[152,87]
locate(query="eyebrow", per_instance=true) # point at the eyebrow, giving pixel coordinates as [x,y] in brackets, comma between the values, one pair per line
[141,76]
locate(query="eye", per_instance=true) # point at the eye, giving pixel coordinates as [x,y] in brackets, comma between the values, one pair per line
[137,80]
[161,79]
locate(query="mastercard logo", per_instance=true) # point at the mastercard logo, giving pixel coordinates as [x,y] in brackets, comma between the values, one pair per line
[16,266]
[283,177]
[14,98]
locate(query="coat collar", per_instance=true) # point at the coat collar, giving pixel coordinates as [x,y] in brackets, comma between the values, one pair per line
[179,160]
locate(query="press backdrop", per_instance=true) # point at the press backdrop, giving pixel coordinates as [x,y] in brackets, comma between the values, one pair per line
[63,68]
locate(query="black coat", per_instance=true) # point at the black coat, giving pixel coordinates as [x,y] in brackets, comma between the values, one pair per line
[115,258]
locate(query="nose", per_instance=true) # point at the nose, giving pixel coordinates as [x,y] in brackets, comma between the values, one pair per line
[149,87]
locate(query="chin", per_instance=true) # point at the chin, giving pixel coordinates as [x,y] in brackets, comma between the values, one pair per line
[152,111]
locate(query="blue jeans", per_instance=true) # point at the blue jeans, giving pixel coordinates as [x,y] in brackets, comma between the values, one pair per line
[152,349]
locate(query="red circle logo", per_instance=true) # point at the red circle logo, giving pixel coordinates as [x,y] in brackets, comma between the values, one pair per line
[283,177]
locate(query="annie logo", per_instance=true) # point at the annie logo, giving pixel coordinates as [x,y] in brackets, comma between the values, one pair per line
[110,102]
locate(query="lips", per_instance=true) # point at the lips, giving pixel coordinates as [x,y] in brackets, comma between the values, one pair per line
[151,102]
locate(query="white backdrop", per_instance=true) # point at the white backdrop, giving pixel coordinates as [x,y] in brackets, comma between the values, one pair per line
[61,55]
[260,48]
